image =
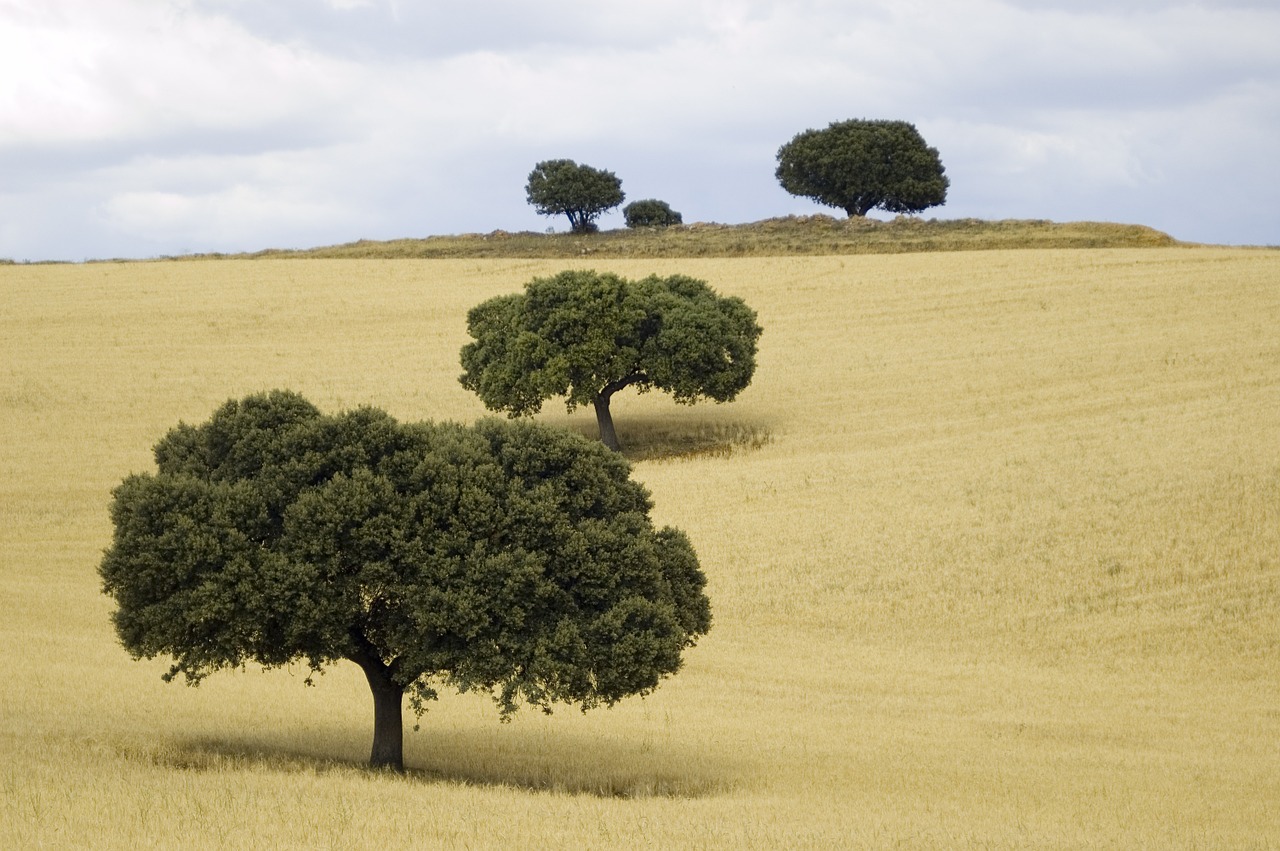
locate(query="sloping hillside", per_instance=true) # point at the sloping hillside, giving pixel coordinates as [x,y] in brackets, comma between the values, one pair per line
[992,545]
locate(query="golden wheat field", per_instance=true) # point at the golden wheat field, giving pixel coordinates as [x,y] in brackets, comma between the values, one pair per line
[993,547]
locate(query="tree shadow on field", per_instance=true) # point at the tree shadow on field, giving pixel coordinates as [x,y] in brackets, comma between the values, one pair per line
[573,763]
[567,763]
[672,437]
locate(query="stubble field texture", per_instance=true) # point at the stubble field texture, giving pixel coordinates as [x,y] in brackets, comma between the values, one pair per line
[992,540]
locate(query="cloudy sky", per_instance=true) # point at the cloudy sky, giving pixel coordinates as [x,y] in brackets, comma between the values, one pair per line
[139,128]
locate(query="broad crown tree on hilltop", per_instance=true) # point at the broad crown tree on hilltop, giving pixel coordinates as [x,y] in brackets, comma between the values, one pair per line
[859,165]
[562,187]
[585,335]
[507,557]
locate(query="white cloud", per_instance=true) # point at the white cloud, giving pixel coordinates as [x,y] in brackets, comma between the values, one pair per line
[122,69]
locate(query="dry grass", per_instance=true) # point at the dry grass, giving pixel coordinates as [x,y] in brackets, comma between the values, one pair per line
[993,543]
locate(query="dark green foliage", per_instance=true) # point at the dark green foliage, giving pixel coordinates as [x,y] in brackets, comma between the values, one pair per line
[585,335]
[508,557]
[562,187]
[650,213]
[858,166]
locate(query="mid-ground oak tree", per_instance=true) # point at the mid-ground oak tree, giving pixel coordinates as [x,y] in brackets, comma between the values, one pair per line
[562,187]
[507,557]
[585,335]
[859,165]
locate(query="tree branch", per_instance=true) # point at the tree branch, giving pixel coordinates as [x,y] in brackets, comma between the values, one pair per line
[367,656]
[612,387]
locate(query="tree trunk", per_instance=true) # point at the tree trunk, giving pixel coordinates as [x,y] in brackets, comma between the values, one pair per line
[605,421]
[388,718]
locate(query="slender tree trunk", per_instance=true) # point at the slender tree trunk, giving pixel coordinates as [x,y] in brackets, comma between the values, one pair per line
[604,420]
[388,717]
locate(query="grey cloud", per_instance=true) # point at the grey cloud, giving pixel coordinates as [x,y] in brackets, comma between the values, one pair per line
[297,123]
[385,30]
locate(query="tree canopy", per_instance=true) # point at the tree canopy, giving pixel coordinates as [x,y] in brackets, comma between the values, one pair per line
[585,335]
[507,557]
[859,165]
[562,187]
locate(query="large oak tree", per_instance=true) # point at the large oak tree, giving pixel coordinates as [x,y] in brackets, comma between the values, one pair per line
[508,557]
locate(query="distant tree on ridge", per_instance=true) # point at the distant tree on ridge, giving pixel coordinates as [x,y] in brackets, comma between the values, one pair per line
[859,165]
[583,193]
